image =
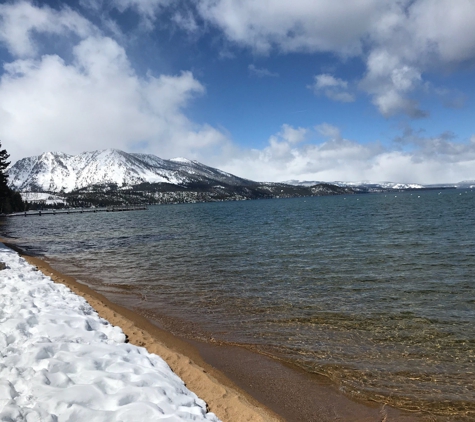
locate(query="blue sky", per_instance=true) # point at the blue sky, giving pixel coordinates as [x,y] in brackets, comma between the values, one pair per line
[270,90]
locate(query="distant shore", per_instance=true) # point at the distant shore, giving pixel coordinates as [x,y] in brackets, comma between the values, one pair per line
[237,384]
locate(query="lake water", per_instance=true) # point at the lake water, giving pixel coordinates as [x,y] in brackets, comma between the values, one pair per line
[375,291]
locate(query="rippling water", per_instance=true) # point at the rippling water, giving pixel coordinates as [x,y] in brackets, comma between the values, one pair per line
[375,291]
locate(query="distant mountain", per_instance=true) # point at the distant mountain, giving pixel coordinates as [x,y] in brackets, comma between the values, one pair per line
[464,184]
[112,177]
[365,186]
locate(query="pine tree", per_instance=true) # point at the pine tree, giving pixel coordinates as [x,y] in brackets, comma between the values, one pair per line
[9,200]
[4,163]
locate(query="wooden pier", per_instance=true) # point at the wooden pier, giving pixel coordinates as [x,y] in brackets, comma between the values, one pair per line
[74,211]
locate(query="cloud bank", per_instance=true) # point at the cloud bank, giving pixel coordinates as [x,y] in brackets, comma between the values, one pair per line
[411,158]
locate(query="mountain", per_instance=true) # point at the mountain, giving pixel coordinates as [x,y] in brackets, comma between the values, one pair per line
[464,184]
[59,172]
[112,177]
[365,186]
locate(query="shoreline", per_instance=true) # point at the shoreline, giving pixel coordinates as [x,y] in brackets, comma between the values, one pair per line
[236,383]
[221,396]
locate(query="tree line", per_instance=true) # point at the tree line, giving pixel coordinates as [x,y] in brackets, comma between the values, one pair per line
[10,201]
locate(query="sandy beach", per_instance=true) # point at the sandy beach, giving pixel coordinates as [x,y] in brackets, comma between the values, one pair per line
[237,384]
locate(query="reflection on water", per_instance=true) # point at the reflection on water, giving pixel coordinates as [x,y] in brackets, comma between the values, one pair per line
[375,291]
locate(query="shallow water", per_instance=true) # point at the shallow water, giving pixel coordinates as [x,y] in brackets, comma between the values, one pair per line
[375,291]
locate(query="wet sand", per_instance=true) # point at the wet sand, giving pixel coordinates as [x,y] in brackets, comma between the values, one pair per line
[236,383]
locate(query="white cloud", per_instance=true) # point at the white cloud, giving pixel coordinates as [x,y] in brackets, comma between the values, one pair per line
[445,28]
[290,135]
[96,101]
[147,9]
[328,131]
[300,25]
[333,88]
[186,20]
[19,21]
[422,160]
[389,81]
[261,72]
[411,39]
[325,80]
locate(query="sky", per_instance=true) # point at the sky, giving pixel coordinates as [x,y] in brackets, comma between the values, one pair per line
[270,90]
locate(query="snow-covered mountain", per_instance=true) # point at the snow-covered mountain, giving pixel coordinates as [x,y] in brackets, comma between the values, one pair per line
[59,172]
[364,186]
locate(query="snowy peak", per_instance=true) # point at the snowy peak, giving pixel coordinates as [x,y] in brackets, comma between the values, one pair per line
[59,172]
[54,172]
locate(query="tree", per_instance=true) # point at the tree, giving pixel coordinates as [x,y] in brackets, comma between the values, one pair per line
[3,166]
[10,200]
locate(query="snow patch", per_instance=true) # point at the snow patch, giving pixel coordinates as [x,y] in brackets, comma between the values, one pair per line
[46,198]
[181,160]
[60,362]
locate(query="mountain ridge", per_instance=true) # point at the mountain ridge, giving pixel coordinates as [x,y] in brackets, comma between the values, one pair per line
[59,172]
[113,177]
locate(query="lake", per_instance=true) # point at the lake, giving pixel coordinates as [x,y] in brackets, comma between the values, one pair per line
[375,291]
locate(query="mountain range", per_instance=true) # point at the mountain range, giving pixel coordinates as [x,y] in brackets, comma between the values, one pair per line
[114,176]
[373,187]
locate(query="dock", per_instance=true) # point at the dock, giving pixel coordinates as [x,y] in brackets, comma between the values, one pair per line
[40,213]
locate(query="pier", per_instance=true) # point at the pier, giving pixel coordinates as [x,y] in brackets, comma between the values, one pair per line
[74,211]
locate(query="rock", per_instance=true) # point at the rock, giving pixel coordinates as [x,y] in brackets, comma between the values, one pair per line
[2,266]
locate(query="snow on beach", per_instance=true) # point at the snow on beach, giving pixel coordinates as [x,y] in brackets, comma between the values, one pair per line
[60,362]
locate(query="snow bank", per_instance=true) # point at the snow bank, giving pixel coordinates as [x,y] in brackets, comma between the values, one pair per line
[60,362]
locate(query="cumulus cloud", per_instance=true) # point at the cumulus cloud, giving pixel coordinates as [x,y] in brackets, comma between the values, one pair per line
[412,158]
[389,81]
[334,159]
[413,38]
[334,88]
[261,72]
[96,100]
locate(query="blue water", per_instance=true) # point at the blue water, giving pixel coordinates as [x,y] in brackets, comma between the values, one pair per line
[375,291]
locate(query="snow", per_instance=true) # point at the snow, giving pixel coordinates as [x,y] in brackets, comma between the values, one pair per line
[60,362]
[181,160]
[47,198]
